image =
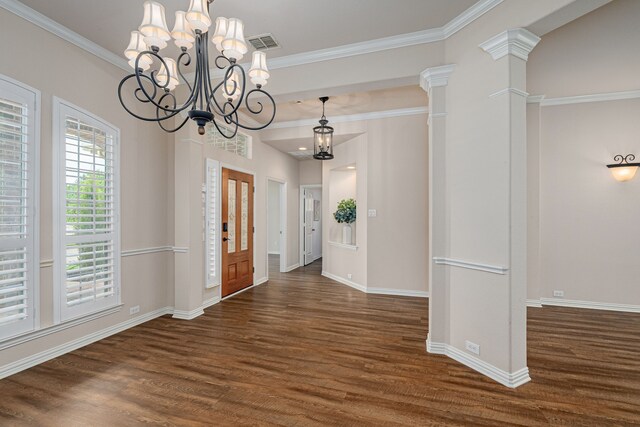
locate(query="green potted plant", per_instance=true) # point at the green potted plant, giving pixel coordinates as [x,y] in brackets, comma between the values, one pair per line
[346,214]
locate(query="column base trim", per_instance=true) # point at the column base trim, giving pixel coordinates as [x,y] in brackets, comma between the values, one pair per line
[508,379]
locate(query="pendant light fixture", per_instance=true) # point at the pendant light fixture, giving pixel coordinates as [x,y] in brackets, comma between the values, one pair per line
[323,137]
[155,76]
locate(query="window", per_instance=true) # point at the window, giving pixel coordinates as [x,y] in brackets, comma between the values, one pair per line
[239,144]
[19,262]
[87,250]
[211,223]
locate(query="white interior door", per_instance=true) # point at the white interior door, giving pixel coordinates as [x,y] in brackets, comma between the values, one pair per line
[308,227]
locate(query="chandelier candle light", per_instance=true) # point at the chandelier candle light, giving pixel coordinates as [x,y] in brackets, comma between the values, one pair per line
[204,101]
[323,137]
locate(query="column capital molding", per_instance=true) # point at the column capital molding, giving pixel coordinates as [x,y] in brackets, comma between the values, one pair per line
[517,42]
[436,76]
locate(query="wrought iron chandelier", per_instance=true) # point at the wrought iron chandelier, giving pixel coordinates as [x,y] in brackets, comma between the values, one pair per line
[323,137]
[204,101]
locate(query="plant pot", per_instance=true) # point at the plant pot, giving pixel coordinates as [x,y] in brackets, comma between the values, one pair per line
[346,234]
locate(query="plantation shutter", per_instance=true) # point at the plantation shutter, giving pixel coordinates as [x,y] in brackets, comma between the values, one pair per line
[88,233]
[211,223]
[19,263]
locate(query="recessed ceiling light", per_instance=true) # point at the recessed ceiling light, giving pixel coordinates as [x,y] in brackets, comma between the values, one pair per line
[302,148]
[351,167]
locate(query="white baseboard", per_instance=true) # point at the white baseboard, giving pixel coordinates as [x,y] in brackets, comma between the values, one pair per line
[292,267]
[211,301]
[534,303]
[347,282]
[273,252]
[36,359]
[511,380]
[258,282]
[398,292]
[188,315]
[628,308]
[261,281]
[378,291]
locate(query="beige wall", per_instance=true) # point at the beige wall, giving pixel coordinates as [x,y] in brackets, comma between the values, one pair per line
[91,83]
[588,221]
[310,172]
[273,217]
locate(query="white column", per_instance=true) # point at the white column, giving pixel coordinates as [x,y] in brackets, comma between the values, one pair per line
[434,81]
[510,50]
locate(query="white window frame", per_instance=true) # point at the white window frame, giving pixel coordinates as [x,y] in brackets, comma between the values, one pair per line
[212,200]
[30,96]
[61,109]
[248,137]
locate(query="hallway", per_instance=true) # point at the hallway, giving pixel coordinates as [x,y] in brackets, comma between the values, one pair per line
[304,350]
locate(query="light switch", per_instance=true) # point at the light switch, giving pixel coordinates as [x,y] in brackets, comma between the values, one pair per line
[373,213]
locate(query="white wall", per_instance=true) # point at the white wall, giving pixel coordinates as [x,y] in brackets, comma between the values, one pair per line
[588,221]
[273,217]
[91,83]
[310,172]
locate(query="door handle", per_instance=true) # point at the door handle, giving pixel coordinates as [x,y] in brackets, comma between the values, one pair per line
[224,239]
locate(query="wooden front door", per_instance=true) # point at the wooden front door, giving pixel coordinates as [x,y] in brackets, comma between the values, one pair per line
[237,231]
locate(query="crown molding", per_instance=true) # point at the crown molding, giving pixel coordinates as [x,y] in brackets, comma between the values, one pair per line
[353,117]
[436,76]
[596,97]
[468,16]
[517,42]
[48,24]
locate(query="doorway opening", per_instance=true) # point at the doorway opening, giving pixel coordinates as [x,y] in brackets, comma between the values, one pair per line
[276,226]
[310,224]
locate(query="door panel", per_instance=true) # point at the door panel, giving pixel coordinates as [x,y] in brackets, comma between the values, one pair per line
[237,231]
[308,227]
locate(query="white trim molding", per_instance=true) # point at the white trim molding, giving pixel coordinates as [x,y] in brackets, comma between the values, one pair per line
[517,42]
[535,99]
[292,267]
[627,308]
[436,76]
[188,315]
[143,251]
[36,359]
[596,97]
[343,281]
[468,16]
[343,246]
[512,90]
[471,265]
[211,301]
[508,379]
[375,115]
[534,303]
[398,292]
[48,24]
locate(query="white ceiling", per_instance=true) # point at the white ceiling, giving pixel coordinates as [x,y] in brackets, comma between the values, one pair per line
[299,25]
[292,145]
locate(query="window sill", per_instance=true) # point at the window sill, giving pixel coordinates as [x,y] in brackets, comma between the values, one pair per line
[39,333]
[344,245]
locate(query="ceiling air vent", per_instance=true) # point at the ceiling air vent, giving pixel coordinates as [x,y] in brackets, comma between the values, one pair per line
[263,42]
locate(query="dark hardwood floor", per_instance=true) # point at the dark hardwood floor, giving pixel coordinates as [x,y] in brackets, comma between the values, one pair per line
[303,350]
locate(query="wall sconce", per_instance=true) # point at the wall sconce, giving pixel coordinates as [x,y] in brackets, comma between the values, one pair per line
[623,170]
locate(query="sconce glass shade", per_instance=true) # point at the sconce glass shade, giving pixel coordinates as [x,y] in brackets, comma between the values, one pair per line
[198,15]
[173,74]
[136,46]
[182,33]
[623,170]
[233,45]
[154,25]
[220,32]
[259,72]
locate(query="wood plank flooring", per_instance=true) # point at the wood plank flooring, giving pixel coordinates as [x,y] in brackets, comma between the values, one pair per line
[303,350]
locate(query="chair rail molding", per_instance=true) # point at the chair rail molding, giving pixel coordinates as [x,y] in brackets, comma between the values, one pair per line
[582,99]
[495,269]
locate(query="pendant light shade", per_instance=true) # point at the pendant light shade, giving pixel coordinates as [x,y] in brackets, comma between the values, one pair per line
[233,45]
[323,137]
[182,33]
[154,25]
[220,32]
[259,72]
[198,15]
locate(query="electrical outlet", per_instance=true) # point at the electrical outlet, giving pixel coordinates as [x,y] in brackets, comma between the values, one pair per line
[134,310]
[349,276]
[472,347]
[372,213]
[558,294]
